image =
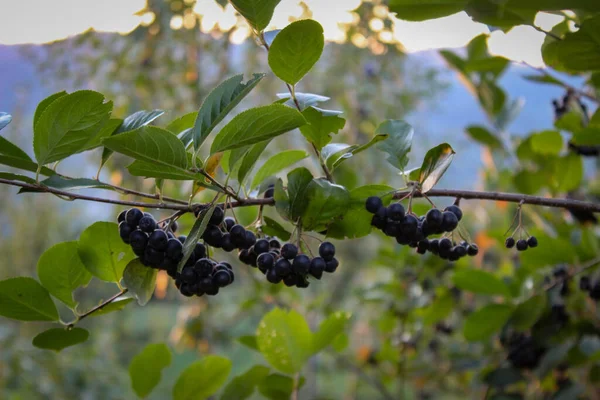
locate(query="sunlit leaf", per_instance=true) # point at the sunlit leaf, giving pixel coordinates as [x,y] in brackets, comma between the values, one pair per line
[436,162]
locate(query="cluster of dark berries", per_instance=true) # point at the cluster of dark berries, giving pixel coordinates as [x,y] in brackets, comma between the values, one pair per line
[284,263]
[204,277]
[224,233]
[159,248]
[412,230]
[155,247]
[593,288]
[521,244]
[523,351]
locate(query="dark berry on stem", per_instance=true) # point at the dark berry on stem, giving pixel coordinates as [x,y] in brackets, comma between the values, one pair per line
[331,266]
[226,243]
[125,231]
[217,217]
[148,224]
[395,212]
[199,251]
[138,240]
[265,261]
[272,276]
[270,192]
[327,250]
[188,275]
[455,210]
[153,256]
[595,291]
[204,267]
[373,204]
[186,290]
[133,217]
[290,280]
[121,216]
[522,245]
[261,246]
[317,266]
[445,244]
[181,238]
[191,260]
[409,225]
[434,218]
[289,251]
[472,249]
[509,243]
[282,267]
[532,242]
[158,240]
[174,249]
[434,246]
[302,282]
[229,223]
[423,246]
[250,238]
[274,244]
[301,264]
[222,278]
[449,221]
[461,251]
[213,235]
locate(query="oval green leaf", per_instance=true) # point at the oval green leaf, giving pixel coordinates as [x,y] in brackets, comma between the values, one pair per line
[59,338]
[202,379]
[478,281]
[485,322]
[140,280]
[435,164]
[258,13]
[24,299]
[145,369]
[399,141]
[296,49]
[277,163]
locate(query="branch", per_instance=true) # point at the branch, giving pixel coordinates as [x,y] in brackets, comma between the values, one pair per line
[98,307]
[586,266]
[580,92]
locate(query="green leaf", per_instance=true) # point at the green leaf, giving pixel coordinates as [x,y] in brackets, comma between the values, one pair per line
[335,152]
[527,313]
[547,142]
[329,329]
[321,123]
[398,143]
[256,125]
[140,280]
[21,163]
[304,100]
[182,123]
[24,299]
[568,173]
[9,149]
[297,187]
[421,10]
[249,341]
[491,97]
[58,339]
[250,159]
[258,13]
[44,104]
[153,145]
[277,163]
[61,271]
[273,228]
[486,321]
[587,137]
[571,121]
[324,202]
[5,119]
[70,124]
[195,234]
[435,164]
[103,252]
[153,170]
[296,49]
[219,102]
[16,177]
[485,137]
[116,305]
[63,183]
[285,340]
[276,387]
[145,369]
[579,51]
[130,123]
[546,79]
[202,379]
[503,376]
[242,386]
[479,281]
[356,222]
[441,308]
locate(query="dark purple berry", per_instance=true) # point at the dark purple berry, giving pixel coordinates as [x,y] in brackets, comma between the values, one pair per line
[229,223]
[449,221]
[331,266]
[445,244]
[158,240]
[274,244]
[522,245]
[181,238]
[250,239]
[174,249]
[290,280]
[302,282]
[434,218]
[204,267]
[289,251]
[217,217]
[532,242]
[121,216]
[373,204]
[138,240]
[434,246]
[199,251]
[188,275]
[317,266]
[222,278]
[154,257]
[455,210]
[186,290]
[301,264]
[282,267]
[472,249]
[409,226]
[270,192]
[261,246]
[226,243]
[395,212]
[133,217]
[125,231]
[265,261]
[213,236]
[509,243]
[327,250]
[461,251]
[423,246]
[147,224]
[272,276]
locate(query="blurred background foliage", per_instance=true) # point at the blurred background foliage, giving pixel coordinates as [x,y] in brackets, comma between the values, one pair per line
[407,315]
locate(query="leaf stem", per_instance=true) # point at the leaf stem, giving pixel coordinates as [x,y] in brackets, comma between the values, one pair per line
[98,307]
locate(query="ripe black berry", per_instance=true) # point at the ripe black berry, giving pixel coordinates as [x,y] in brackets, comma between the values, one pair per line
[199,251]
[181,238]
[327,251]
[445,244]
[373,204]
[125,231]
[217,217]
[204,267]
[301,264]
[532,242]
[434,218]
[472,249]
[250,239]
[595,291]
[509,243]
[395,212]
[434,246]
[274,244]
[455,210]
[174,249]
[317,266]
[188,275]
[158,240]
[133,217]
[409,225]
[302,282]
[138,240]
[461,251]
[289,251]
[449,221]
[121,216]
[273,277]
[522,245]
[270,192]
[229,223]
[153,256]
[261,246]
[226,243]
[213,236]
[265,261]
[222,278]
[147,224]
[331,266]
[282,267]
[290,280]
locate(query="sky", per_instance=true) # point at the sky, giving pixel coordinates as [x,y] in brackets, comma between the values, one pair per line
[43,21]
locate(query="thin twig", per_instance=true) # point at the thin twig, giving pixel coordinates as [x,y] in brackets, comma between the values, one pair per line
[98,307]
[580,92]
